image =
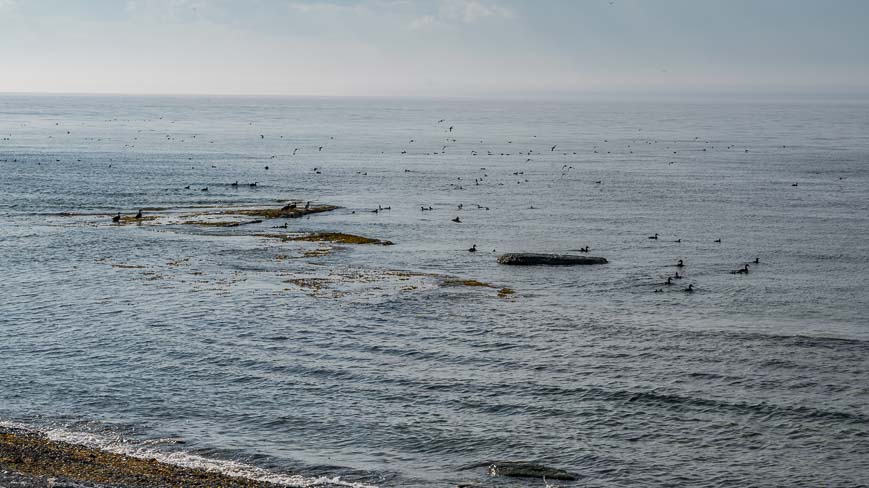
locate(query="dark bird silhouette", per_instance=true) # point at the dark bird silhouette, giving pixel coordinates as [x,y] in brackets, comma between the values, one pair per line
[139,214]
[117,218]
[655,237]
[680,264]
[234,184]
[252,184]
[457,220]
[690,289]
[473,248]
[553,148]
[756,260]
[320,149]
[451,128]
[205,189]
[718,241]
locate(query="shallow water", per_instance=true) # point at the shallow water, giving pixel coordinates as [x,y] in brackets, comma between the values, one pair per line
[385,376]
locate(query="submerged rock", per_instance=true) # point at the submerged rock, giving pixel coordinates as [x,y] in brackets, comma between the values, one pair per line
[337,237]
[522,469]
[538,259]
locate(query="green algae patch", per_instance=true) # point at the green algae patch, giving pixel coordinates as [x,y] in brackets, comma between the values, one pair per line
[289,211]
[33,454]
[505,292]
[336,237]
[317,253]
[315,284]
[340,238]
[455,282]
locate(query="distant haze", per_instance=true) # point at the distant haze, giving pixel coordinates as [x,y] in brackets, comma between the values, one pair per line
[434,48]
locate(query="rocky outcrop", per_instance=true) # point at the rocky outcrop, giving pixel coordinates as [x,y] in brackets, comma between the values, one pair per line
[537,259]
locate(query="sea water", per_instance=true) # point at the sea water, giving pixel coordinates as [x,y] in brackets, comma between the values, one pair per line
[375,364]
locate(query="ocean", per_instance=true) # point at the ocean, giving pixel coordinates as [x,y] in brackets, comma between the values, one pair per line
[321,364]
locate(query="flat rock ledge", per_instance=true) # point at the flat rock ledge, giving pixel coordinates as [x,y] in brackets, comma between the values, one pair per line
[538,259]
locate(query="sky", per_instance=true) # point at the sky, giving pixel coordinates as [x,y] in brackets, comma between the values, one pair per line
[454,48]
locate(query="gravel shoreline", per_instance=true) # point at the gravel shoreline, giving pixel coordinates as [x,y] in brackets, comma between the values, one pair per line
[29,459]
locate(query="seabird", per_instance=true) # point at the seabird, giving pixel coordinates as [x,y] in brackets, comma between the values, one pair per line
[655,237]
[473,248]
[117,218]
[457,220]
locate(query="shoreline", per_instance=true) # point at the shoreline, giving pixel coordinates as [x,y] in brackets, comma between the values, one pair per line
[29,458]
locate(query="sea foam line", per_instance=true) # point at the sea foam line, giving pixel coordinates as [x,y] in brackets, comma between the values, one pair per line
[182,459]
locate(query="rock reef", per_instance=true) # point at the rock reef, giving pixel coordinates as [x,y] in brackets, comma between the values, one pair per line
[538,259]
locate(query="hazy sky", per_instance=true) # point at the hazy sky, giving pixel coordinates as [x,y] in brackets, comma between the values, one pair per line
[436,47]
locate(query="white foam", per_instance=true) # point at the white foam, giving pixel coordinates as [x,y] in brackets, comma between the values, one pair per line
[117,445]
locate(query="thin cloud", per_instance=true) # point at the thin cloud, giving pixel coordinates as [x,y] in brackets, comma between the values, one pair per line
[425,22]
[471,11]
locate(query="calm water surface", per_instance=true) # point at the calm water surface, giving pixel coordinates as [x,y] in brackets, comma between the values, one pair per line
[363,363]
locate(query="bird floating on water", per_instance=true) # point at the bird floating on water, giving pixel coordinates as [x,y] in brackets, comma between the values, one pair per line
[457,220]
[654,237]
[473,248]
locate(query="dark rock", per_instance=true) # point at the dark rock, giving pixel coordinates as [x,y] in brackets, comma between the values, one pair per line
[537,259]
[521,469]
[529,470]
